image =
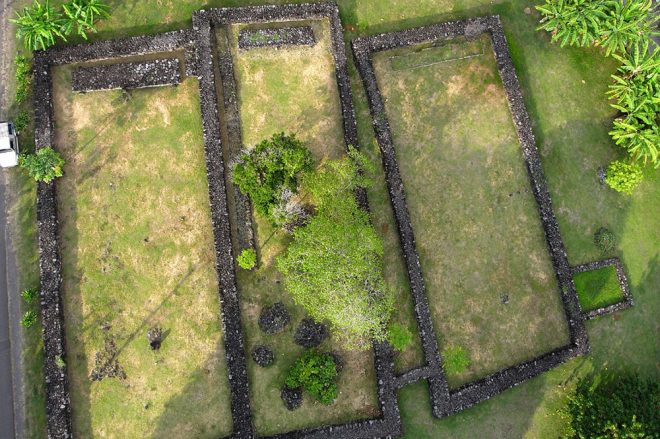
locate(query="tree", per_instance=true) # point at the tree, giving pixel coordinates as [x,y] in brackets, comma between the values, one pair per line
[317,373]
[45,165]
[82,14]
[628,23]
[572,22]
[334,267]
[623,177]
[614,406]
[270,169]
[39,25]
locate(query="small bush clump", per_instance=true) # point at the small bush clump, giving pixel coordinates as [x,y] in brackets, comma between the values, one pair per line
[623,177]
[30,295]
[44,166]
[399,336]
[247,260]
[270,169]
[615,406]
[316,373]
[456,360]
[21,121]
[29,319]
[604,240]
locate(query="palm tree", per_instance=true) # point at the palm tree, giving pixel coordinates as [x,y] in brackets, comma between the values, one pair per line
[573,22]
[82,14]
[627,23]
[39,25]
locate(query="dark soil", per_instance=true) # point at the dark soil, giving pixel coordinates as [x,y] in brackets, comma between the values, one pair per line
[292,397]
[274,318]
[263,355]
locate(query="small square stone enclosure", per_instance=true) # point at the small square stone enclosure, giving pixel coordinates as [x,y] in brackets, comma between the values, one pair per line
[627,300]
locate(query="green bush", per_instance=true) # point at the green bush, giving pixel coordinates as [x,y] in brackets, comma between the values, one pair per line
[28,319]
[334,266]
[80,15]
[59,362]
[597,288]
[604,240]
[399,336]
[270,168]
[247,260]
[39,25]
[30,295]
[23,78]
[45,165]
[623,177]
[21,121]
[456,360]
[316,373]
[614,406]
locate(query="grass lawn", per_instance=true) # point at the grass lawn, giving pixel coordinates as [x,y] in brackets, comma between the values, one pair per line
[293,90]
[488,274]
[564,91]
[137,249]
[598,288]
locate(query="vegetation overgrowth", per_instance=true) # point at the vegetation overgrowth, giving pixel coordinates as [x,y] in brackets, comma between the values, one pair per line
[623,177]
[44,166]
[247,259]
[315,372]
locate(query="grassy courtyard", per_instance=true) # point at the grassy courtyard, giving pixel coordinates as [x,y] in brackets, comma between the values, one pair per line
[137,250]
[564,92]
[488,274]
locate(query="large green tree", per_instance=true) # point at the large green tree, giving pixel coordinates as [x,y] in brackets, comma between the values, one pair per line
[334,266]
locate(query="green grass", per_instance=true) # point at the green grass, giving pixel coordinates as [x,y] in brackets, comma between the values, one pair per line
[475,219]
[564,91]
[598,288]
[292,90]
[137,252]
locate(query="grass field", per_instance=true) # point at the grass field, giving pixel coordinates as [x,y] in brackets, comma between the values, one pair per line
[137,249]
[488,274]
[292,90]
[564,92]
[598,288]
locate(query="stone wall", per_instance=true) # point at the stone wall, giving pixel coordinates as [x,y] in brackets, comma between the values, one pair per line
[155,73]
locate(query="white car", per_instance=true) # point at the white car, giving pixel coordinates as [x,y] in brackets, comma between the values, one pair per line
[8,145]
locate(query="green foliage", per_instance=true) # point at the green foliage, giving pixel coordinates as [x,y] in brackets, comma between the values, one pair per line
[623,177]
[399,336]
[29,319]
[80,15]
[21,121]
[317,373]
[39,25]
[334,266]
[615,25]
[59,362]
[598,288]
[615,406]
[270,168]
[30,295]
[604,240]
[45,165]
[23,78]
[636,91]
[456,360]
[247,260]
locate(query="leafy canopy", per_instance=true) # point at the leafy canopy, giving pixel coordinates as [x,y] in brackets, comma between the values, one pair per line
[334,267]
[270,168]
[247,259]
[38,25]
[316,373]
[82,14]
[44,166]
[623,177]
[615,406]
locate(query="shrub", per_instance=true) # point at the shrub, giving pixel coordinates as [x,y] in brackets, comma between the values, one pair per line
[316,373]
[28,319]
[23,78]
[30,295]
[399,336]
[21,121]
[269,168]
[456,360]
[247,260]
[59,362]
[334,266]
[39,25]
[623,177]
[614,406]
[604,240]
[82,14]
[45,165]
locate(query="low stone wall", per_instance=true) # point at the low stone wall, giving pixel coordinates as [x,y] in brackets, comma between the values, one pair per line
[276,37]
[627,301]
[127,75]
[445,402]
